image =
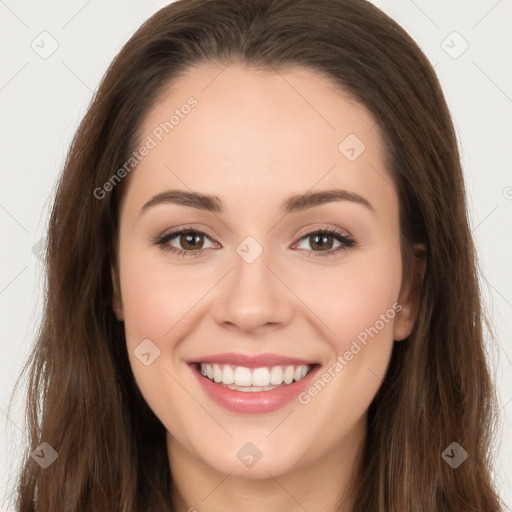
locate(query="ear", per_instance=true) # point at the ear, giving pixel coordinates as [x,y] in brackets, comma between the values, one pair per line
[409,294]
[117,303]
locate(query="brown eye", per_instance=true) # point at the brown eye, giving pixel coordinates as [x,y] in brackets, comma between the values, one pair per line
[191,241]
[185,242]
[326,242]
[322,242]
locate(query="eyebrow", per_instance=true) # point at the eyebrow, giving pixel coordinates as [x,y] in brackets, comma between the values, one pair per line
[293,204]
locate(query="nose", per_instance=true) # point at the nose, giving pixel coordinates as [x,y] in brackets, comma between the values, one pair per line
[253,298]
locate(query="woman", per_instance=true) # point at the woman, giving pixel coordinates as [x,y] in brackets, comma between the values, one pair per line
[262,288]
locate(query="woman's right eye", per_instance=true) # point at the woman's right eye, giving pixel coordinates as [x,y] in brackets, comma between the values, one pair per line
[186,238]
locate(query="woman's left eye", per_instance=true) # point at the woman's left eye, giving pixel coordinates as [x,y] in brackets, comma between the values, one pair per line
[191,242]
[325,240]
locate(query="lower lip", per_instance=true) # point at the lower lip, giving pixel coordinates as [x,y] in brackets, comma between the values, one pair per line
[254,402]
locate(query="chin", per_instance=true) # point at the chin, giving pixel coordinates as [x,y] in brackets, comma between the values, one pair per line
[255,461]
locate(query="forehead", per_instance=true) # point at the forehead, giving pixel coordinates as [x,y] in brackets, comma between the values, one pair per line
[253,132]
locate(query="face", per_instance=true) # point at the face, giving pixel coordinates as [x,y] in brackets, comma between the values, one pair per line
[260,318]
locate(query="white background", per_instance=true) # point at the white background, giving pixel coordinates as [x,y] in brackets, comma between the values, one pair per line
[43,100]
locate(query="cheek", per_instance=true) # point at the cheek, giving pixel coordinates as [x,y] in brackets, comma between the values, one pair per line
[156,296]
[364,302]
[156,300]
[163,303]
[355,298]
[359,304]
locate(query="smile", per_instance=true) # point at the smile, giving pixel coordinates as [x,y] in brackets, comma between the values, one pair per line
[252,384]
[244,379]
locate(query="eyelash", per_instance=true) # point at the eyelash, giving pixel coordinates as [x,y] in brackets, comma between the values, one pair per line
[346,242]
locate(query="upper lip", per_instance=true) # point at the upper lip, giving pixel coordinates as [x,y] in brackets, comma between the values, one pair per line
[251,361]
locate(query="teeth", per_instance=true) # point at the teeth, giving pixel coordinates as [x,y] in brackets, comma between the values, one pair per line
[217,373]
[241,378]
[288,375]
[228,375]
[261,377]
[276,375]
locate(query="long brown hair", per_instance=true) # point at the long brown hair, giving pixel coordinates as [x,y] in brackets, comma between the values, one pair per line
[82,398]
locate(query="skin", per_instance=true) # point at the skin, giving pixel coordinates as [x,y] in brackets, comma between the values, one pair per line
[254,139]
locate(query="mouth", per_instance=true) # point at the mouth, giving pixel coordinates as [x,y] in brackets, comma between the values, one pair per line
[251,385]
[263,379]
